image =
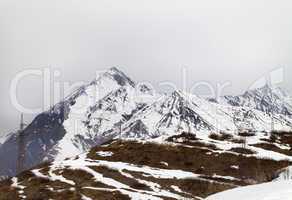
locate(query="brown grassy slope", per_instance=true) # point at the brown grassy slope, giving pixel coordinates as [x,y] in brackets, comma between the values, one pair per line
[197,160]
[193,156]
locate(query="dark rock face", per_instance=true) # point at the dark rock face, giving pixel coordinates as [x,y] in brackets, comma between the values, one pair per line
[139,128]
[45,130]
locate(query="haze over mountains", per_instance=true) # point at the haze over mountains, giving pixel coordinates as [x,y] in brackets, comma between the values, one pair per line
[114,106]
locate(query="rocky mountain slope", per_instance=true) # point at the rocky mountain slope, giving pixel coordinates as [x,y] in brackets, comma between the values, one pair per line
[114,106]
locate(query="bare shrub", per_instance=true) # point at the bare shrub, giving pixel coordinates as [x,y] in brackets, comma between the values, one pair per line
[222,136]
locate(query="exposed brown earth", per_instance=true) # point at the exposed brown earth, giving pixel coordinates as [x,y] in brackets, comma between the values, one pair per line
[272,147]
[196,160]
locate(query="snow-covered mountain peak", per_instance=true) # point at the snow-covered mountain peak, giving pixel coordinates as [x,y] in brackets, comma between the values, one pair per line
[176,102]
[115,74]
[282,93]
[266,91]
[268,99]
[179,95]
[271,92]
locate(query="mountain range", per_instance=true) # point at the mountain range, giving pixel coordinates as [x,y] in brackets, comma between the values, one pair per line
[113,106]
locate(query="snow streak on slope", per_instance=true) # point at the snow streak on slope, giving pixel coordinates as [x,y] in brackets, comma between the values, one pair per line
[4,137]
[87,165]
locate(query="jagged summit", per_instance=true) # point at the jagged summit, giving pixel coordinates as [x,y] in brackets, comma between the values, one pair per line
[183,97]
[120,76]
[268,99]
[177,102]
[267,90]
[112,77]
[113,74]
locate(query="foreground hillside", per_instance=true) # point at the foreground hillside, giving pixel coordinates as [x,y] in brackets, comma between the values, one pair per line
[185,166]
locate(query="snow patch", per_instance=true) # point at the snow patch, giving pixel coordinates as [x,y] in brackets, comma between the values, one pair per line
[279,190]
[105,153]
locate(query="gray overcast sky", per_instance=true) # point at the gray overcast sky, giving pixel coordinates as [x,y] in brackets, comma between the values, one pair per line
[217,41]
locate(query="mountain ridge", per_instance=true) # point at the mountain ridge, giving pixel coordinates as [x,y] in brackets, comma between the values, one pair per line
[115,106]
